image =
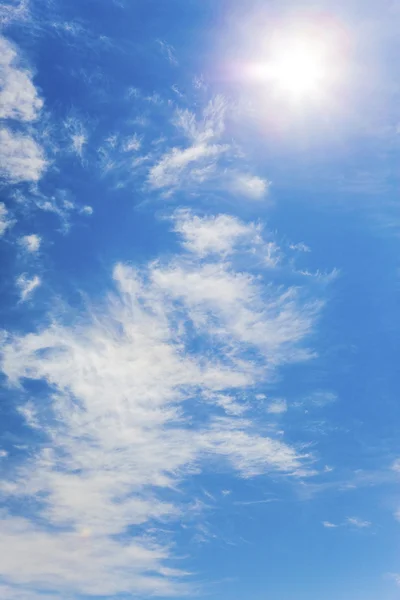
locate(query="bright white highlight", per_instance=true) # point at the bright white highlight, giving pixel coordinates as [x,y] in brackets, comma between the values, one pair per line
[298,67]
[300,64]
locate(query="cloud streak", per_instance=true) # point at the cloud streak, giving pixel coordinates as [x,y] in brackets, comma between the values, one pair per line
[27,286]
[199,158]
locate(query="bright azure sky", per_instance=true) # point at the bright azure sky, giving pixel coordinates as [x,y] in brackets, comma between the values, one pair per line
[199,227]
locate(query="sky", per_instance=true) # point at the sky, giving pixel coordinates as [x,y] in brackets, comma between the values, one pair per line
[199,237]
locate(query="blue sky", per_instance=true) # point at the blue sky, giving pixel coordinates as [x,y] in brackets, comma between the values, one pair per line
[199,233]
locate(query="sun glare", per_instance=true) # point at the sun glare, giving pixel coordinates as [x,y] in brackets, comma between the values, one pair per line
[297,66]
[298,69]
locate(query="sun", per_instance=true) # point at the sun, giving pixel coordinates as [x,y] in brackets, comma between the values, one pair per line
[297,68]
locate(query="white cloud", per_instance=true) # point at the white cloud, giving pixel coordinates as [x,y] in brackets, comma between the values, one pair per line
[277,407]
[78,141]
[198,159]
[224,235]
[18,11]
[190,165]
[329,525]
[215,234]
[249,186]
[8,592]
[395,577]
[359,523]
[300,247]
[86,210]
[27,286]
[122,424]
[21,158]
[18,96]
[228,403]
[5,222]
[195,163]
[213,289]
[77,133]
[168,51]
[31,243]
[63,206]
[209,127]
[396,465]
[132,143]
[322,398]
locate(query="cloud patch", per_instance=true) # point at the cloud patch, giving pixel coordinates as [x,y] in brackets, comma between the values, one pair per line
[122,425]
[21,158]
[5,222]
[30,243]
[220,234]
[277,407]
[196,162]
[27,286]
[19,98]
[249,186]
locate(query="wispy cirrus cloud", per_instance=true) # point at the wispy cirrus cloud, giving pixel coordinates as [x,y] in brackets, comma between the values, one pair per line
[198,160]
[27,285]
[352,522]
[62,205]
[121,423]
[358,523]
[188,166]
[77,134]
[168,51]
[17,11]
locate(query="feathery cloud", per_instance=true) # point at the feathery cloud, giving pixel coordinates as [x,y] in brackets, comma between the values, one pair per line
[359,523]
[132,143]
[185,166]
[195,163]
[17,11]
[77,134]
[27,286]
[168,51]
[199,159]
[121,422]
